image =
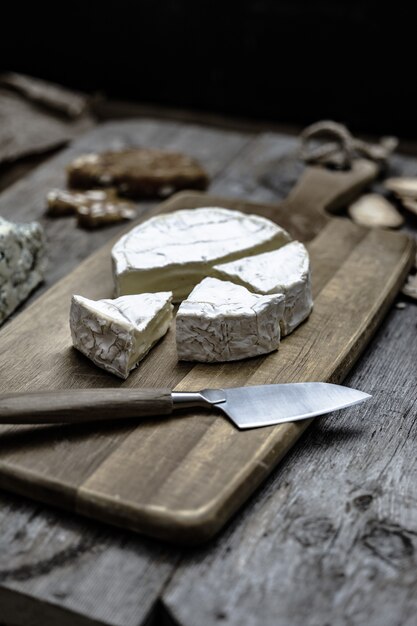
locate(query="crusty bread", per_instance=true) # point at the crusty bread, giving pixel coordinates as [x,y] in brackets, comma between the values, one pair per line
[137,172]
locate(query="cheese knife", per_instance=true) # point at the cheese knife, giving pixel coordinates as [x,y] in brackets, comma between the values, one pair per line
[246,407]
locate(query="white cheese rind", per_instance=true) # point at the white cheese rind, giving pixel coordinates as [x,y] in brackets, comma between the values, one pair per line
[221,321]
[286,271]
[176,250]
[117,334]
[22,263]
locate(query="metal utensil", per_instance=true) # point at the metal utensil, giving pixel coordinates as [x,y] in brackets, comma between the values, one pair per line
[247,407]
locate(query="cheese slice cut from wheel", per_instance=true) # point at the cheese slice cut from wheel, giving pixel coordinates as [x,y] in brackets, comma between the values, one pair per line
[177,250]
[117,334]
[221,321]
[286,271]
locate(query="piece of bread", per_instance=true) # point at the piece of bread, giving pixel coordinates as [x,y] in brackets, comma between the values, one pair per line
[137,172]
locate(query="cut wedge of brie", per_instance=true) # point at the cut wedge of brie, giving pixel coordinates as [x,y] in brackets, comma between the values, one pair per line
[175,251]
[221,321]
[286,271]
[117,334]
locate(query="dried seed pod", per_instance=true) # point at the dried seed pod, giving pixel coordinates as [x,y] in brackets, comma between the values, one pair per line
[404,187]
[374,211]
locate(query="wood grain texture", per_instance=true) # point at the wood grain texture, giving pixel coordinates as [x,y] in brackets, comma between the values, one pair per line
[50,95]
[58,568]
[177,455]
[332,538]
[83,405]
[119,582]
[67,246]
[27,129]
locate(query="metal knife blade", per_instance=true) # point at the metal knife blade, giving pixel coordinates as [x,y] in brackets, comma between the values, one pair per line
[266,405]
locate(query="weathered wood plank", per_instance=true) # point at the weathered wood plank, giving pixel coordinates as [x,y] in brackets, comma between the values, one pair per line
[261,162]
[248,576]
[27,129]
[57,569]
[333,537]
[119,582]
[54,97]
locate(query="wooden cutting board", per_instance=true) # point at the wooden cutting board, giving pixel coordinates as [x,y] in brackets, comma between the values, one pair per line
[182,478]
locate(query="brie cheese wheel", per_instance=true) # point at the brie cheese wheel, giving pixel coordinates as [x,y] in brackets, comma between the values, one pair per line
[286,271]
[176,250]
[221,321]
[22,263]
[117,334]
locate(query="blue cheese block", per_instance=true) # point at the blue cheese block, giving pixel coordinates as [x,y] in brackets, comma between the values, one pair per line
[221,321]
[22,263]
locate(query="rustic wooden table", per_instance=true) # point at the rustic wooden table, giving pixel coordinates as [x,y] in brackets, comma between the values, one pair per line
[331,538]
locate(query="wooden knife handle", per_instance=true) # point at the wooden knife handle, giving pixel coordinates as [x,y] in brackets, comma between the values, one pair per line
[83,405]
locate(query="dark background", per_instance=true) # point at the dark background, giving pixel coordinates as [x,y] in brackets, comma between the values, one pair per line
[291,61]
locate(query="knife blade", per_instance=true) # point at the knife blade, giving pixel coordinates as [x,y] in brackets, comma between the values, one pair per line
[247,407]
[266,405]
